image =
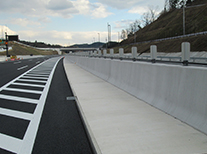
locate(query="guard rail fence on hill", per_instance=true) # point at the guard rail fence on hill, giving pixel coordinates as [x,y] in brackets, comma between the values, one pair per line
[171,38]
[184,57]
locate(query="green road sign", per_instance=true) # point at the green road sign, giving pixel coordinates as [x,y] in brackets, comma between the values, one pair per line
[1,42]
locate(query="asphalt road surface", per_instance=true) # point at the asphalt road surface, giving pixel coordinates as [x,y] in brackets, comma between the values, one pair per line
[38,113]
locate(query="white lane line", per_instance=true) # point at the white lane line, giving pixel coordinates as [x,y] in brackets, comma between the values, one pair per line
[30,85]
[23,90]
[37,62]
[22,67]
[34,77]
[17,62]
[16,114]
[31,132]
[27,80]
[10,143]
[20,99]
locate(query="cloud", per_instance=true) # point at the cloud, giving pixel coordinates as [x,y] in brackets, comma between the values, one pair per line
[44,20]
[6,29]
[24,22]
[96,10]
[121,4]
[59,5]
[65,37]
[61,8]
[138,10]
[100,11]
[123,24]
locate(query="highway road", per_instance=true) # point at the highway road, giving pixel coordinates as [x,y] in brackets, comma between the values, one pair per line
[38,113]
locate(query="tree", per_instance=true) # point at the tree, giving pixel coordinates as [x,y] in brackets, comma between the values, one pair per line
[173,4]
[150,16]
[123,34]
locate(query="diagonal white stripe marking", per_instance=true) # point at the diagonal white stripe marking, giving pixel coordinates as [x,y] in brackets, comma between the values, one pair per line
[34,77]
[31,80]
[22,67]
[30,85]
[16,114]
[7,141]
[28,74]
[23,90]
[20,99]
[31,133]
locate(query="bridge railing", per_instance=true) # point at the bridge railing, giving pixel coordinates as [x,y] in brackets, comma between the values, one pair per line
[183,58]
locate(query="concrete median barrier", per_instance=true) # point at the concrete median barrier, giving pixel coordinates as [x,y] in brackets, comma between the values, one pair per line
[177,90]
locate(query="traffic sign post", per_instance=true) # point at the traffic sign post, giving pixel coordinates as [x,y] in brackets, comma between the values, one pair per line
[6,43]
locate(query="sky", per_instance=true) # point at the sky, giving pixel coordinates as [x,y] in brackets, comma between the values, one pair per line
[68,22]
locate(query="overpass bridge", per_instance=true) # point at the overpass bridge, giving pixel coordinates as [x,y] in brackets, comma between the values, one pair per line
[67,50]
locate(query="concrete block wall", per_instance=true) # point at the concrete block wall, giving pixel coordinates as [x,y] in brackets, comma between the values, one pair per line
[177,90]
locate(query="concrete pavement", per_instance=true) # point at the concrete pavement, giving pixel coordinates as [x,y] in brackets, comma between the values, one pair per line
[120,123]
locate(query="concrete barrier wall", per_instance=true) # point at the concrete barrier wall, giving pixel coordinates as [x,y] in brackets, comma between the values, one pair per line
[177,90]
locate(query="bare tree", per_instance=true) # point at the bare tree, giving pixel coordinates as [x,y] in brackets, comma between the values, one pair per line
[123,34]
[150,16]
[173,4]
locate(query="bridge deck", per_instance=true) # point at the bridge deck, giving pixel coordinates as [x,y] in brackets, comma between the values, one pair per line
[121,123]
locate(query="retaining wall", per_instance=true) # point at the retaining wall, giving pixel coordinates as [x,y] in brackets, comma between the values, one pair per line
[177,90]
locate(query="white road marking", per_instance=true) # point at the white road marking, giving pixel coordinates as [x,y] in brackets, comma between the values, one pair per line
[23,90]
[25,146]
[39,73]
[34,77]
[17,62]
[20,99]
[30,85]
[31,132]
[27,80]
[22,67]
[37,62]
[16,114]
[10,143]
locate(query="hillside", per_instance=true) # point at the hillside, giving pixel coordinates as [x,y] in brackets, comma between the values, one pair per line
[170,24]
[93,45]
[18,49]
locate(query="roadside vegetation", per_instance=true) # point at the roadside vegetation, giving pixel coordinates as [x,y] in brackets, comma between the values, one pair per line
[18,49]
[169,23]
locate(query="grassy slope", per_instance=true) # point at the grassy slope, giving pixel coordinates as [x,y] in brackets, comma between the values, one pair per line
[23,50]
[169,25]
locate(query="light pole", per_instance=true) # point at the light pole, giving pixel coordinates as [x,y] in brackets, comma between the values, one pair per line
[7,54]
[98,37]
[183,17]
[109,32]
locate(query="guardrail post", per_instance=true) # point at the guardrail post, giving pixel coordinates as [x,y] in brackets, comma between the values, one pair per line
[185,53]
[91,53]
[134,53]
[111,53]
[99,53]
[121,53]
[153,53]
[104,53]
[95,53]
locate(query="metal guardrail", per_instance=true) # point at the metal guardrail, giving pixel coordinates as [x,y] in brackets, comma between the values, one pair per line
[170,38]
[160,59]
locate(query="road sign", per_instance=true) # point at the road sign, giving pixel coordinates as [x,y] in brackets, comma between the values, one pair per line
[1,42]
